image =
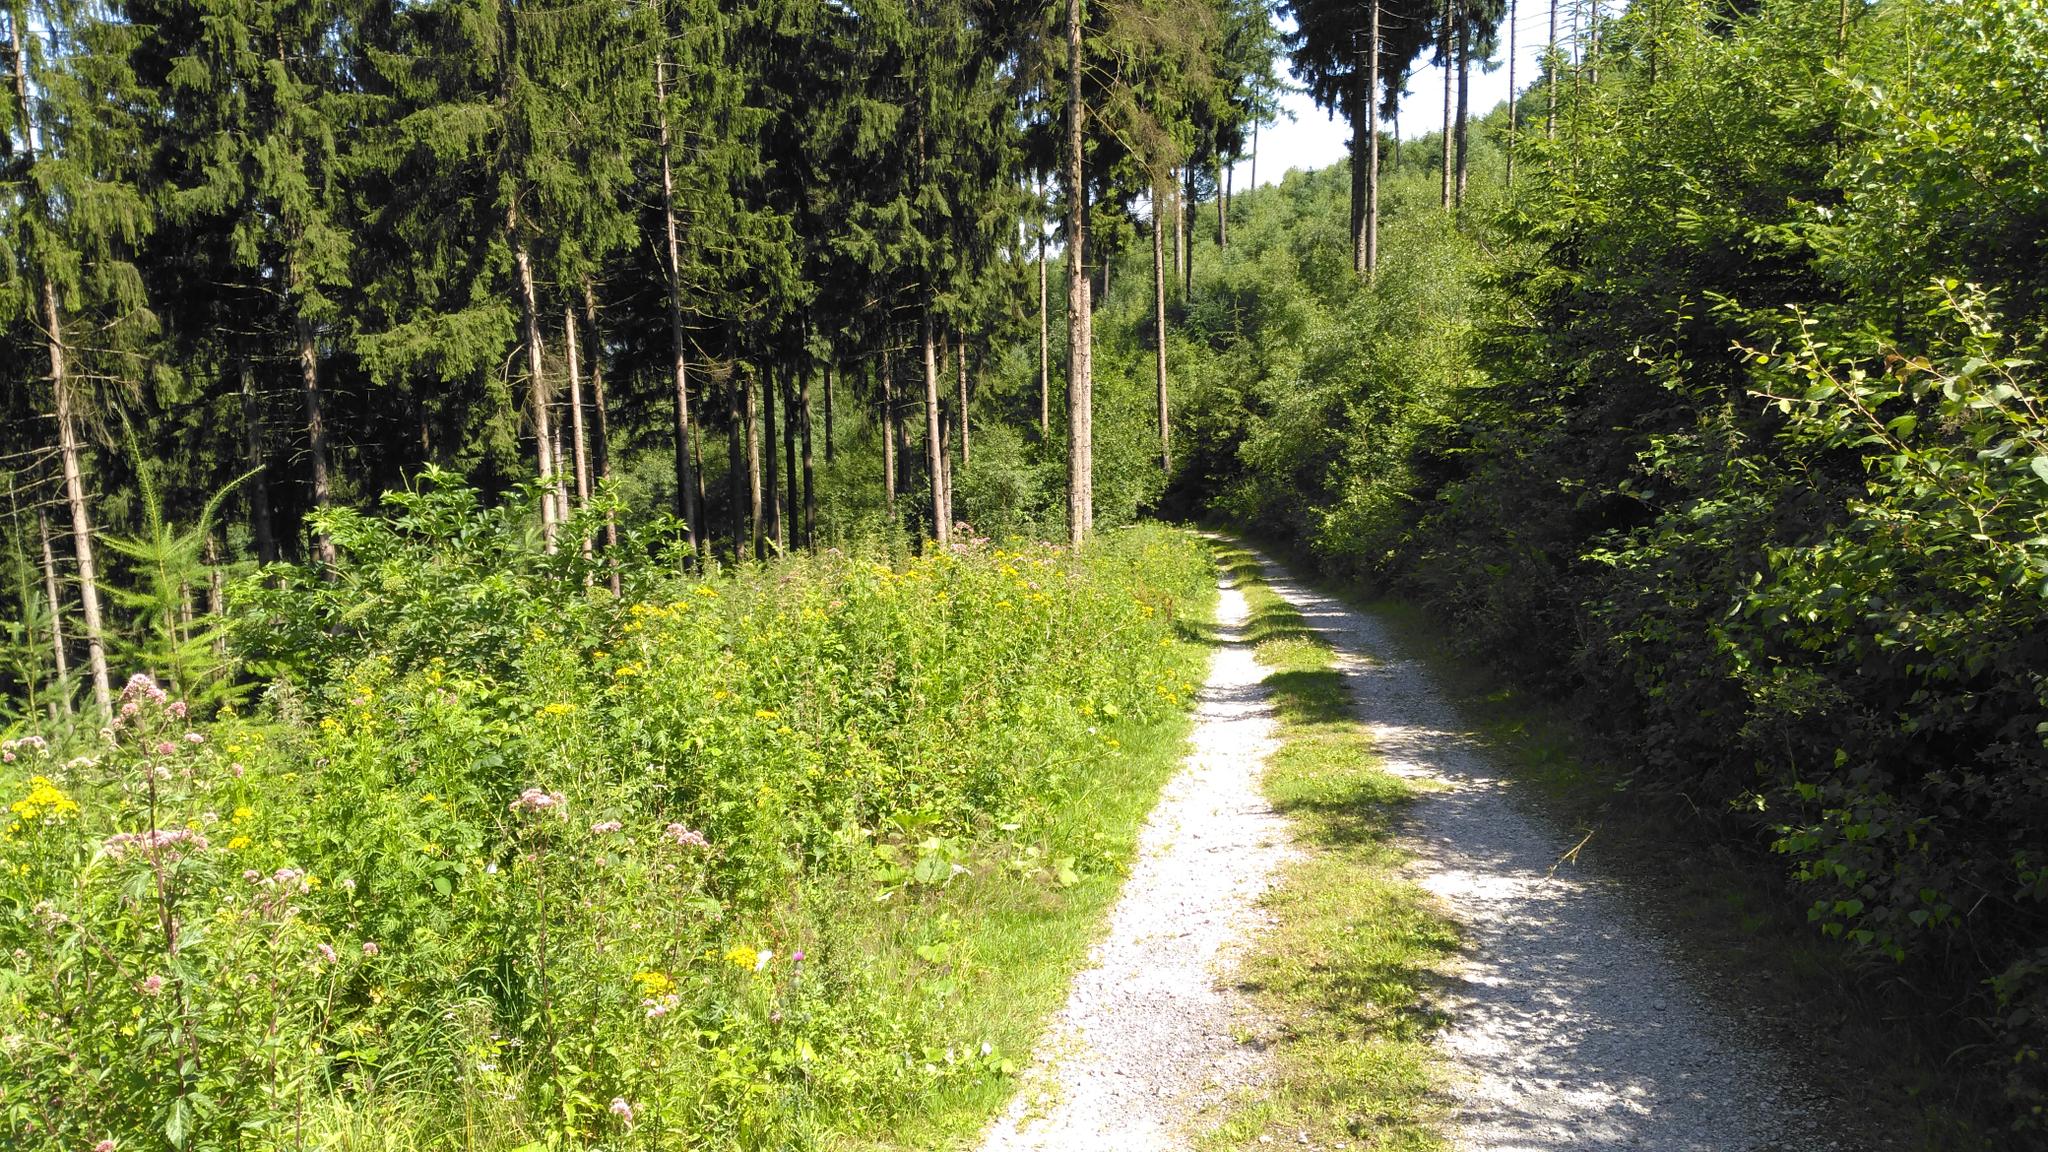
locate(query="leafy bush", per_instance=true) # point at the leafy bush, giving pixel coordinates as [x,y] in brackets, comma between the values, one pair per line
[501,859]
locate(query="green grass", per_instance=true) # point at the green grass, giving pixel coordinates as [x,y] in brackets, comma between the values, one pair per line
[1012,945]
[1345,974]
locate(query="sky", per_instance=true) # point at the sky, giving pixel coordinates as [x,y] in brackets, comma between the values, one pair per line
[1312,139]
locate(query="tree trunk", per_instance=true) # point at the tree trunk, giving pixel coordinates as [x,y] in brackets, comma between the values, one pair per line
[934,438]
[1254,174]
[792,508]
[1450,91]
[1550,66]
[601,443]
[1159,323]
[828,413]
[1187,213]
[1080,391]
[771,472]
[687,505]
[1222,201]
[261,529]
[81,516]
[1044,346]
[1464,120]
[753,405]
[50,593]
[736,461]
[1180,229]
[578,450]
[810,473]
[892,431]
[316,434]
[966,447]
[1372,153]
[537,389]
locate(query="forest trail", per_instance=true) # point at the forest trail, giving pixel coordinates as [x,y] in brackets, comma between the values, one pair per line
[1571,1028]
[1149,1033]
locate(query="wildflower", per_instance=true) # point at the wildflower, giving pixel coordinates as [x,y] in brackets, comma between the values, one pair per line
[170,841]
[238,843]
[685,837]
[152,985]
[558,709]
[534,801]
[103,1146]
[654,983]
[177,709]
[165,747]
[762,959]
[129,708]
[796,957]
[623,1111]
[45,802]
[605,827]
[741,956]
[327,953]
[195,738]
[656,1009]
[370,948]
[250,874]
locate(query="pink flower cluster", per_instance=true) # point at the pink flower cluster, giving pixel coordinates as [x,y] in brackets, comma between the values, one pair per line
[534,801]
[10,748]
[659,1006]
[163,841]
[606,827]
[685,837]
[623,1111]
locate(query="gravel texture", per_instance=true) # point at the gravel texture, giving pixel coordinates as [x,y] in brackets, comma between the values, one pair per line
[1149,1033]
[1571,1028]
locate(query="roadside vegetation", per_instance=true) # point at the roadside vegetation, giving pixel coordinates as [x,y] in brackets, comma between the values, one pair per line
[1346,972]
[785,856]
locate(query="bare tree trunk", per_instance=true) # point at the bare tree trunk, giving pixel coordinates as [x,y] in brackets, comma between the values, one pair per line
[828,413]
[753,401]
[1450,89]
[537,392]
[50,593]
[1550,66]
[316,434]
[1187,204]
[792,509]
[934,438]
[1080,390]
[736,461]
[1222,202]
[687,505]
[892,431]
[261,529]
[966,448]
[1254,174]
[1180,227]
[1372,153]
[601,444]
[215,595]
[578,450]
[810,473]
[1159,323]
[81,516]
[771,474]
[1464,120]
[1044,346]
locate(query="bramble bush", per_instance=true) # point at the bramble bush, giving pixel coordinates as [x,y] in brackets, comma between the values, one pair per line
[499,860]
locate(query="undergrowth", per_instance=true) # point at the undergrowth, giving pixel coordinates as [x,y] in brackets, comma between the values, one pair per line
[790,857]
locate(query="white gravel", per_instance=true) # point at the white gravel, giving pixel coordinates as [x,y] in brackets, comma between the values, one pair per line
[1148,1034]
[1572,1029]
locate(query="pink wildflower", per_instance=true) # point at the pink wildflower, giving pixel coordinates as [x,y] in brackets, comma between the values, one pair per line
[623,1111]
[685,837]
[177,709]
[370,948]
[152,985]
[534,801]
[164,840]
[604,827]
[130,708]
[796,957]
[327,953]
[165,747]
[103,1146]
[195,738]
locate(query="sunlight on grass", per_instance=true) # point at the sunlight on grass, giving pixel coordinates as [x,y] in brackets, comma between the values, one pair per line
[1344,975]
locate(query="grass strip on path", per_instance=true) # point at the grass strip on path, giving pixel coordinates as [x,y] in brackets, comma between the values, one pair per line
[1344,974]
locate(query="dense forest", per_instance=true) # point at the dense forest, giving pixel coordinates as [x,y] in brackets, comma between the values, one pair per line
[728,425]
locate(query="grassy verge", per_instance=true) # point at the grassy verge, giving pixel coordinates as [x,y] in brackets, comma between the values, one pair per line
[1344,974]
[988,958]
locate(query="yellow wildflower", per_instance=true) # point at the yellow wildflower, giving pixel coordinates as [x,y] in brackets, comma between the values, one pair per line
[653,984]
[45,801]
[741,956]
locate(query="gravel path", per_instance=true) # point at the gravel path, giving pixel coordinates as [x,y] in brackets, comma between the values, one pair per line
[1148,1034]
[1571,1029]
